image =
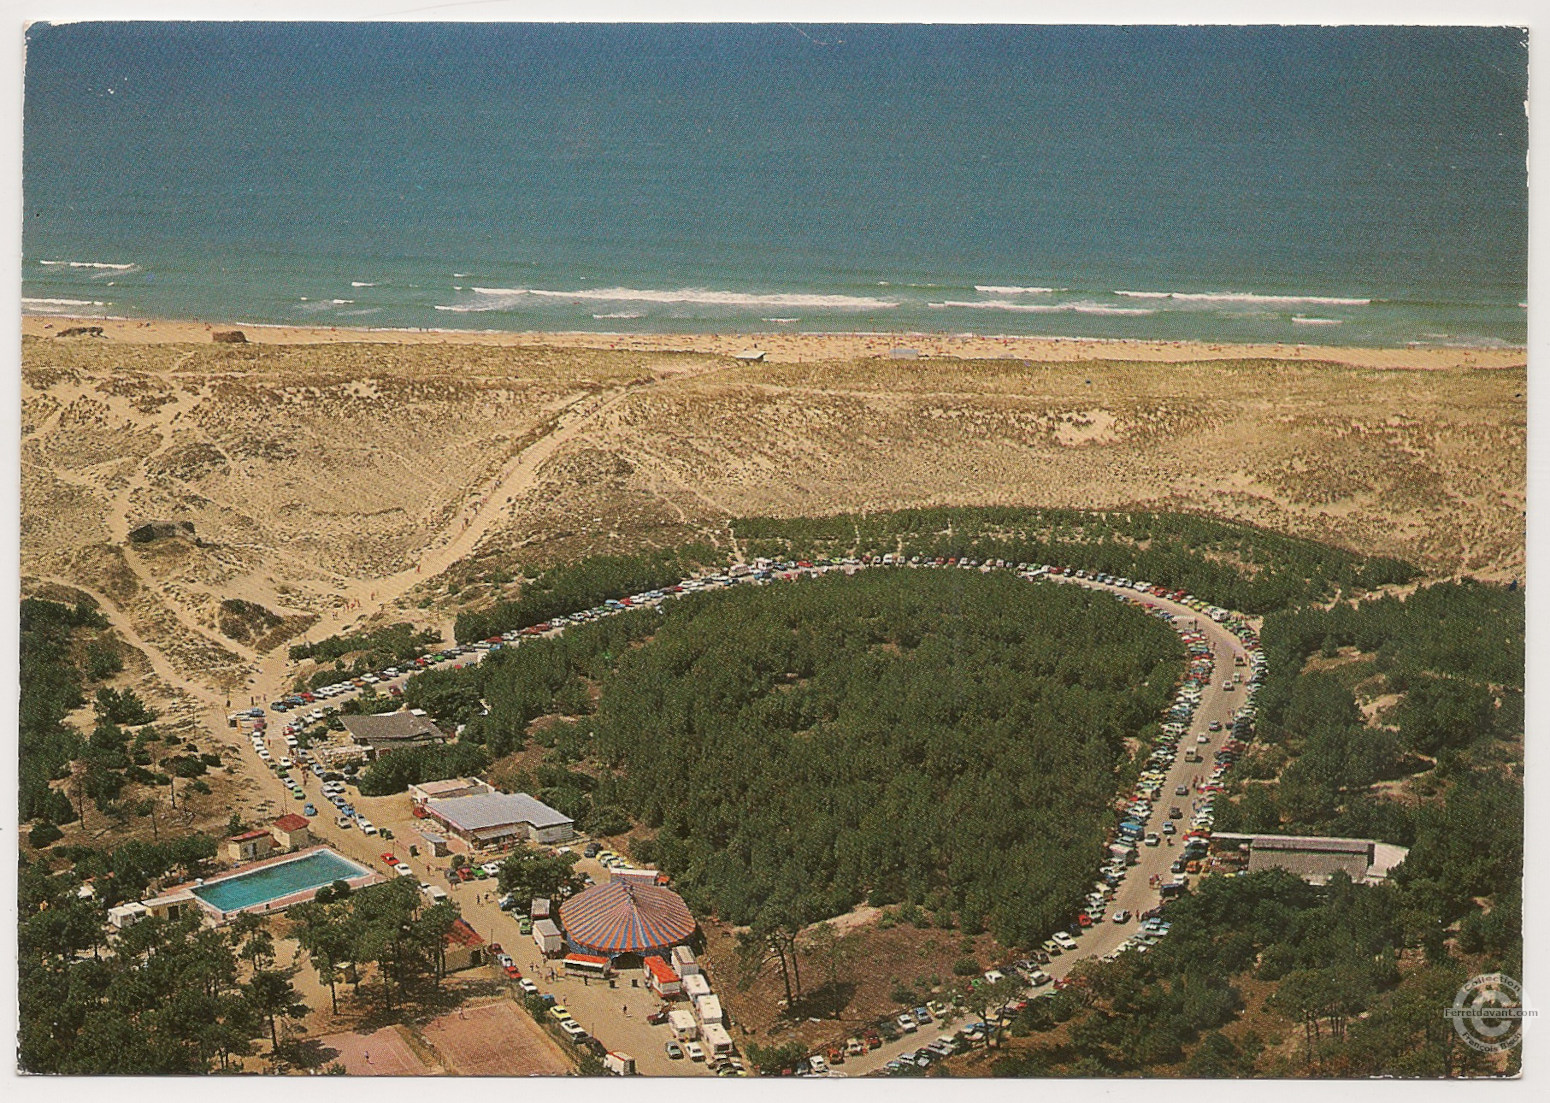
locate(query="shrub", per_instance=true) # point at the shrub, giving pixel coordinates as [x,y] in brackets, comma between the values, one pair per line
[43,835]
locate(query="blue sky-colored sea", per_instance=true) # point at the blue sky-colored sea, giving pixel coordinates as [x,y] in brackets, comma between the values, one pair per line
[1339,186]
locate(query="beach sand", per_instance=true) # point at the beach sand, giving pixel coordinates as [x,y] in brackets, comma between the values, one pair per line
[805,348]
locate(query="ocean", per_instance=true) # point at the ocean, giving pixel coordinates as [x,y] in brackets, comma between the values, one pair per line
[1339,186]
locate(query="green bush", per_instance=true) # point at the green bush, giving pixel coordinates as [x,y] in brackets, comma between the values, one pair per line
[43,835]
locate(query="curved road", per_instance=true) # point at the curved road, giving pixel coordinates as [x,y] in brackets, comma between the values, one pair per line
[1135,893]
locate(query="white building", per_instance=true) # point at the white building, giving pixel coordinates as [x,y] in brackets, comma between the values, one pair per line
[547,937]
[490,819]
[127,915]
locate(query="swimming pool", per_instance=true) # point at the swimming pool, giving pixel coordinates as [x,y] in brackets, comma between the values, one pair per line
[260,886]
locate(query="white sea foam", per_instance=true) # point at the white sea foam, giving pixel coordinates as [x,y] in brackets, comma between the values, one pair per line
[87,264]
[61,302]
[342,302]
[1304,320]
[1243,297]
[1081,307]
[361,283]
[697,296]
[620,314]
[995,289]
[780,320]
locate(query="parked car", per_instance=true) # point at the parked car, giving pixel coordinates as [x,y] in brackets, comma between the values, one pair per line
[695,1051]
[675,1051]
[907,1023]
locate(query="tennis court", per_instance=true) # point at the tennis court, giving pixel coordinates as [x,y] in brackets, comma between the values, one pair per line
[497,1039]
[381,1053]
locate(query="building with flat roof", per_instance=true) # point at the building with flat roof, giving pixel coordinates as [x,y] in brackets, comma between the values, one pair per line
[493,818]
[1314,858]
[391,731]
[445,790]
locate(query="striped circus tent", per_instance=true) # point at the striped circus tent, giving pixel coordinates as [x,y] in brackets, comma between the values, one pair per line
[619,917]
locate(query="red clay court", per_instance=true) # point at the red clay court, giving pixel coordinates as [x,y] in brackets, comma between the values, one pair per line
[389,1054]
[497,1039]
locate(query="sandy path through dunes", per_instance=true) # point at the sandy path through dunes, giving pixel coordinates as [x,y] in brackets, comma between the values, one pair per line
[364,598]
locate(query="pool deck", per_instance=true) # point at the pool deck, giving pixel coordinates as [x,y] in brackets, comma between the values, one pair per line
[184,893]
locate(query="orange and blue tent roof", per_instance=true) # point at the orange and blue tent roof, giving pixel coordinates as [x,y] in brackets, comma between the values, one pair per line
[624,918]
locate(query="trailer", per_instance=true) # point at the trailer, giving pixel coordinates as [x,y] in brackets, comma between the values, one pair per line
[683,1026]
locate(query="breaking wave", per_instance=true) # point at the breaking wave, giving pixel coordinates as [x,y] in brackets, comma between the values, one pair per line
[697,296]
[88,264]
[995,289]
[1082,307]
[47,303]
[1243,297]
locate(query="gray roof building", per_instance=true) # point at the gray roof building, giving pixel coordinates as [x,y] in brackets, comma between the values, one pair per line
[489,817]
[391,730]
[1315,858]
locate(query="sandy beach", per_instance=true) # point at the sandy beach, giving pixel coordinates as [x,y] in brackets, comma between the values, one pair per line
[805,348]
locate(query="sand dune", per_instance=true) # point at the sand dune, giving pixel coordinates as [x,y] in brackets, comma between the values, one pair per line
[329,481]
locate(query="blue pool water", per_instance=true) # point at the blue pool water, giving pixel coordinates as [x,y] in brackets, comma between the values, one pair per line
[263,885]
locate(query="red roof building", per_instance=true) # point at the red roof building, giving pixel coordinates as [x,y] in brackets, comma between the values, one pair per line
[250,846]
[661,978]
[464,947]
[292,831]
